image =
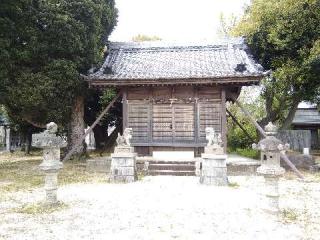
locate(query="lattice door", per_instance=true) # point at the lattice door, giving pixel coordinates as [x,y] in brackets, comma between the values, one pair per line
[183,122]
[173,123]
[138,120]
[162,123]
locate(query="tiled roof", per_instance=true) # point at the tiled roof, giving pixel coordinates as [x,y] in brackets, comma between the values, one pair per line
[310,116]
[154,61]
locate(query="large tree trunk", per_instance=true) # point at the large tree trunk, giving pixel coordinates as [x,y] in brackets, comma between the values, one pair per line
[28,140]
[76,128]
[286,124]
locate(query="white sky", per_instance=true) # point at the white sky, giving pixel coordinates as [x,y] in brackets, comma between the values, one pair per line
[173,20]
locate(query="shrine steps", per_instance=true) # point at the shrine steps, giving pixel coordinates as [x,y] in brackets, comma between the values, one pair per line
[171,168]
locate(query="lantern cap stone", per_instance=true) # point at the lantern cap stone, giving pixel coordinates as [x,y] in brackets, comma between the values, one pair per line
[52,127]
[271,129]
[271,143]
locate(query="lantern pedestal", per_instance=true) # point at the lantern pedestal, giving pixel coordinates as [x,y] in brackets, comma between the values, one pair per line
[271,178]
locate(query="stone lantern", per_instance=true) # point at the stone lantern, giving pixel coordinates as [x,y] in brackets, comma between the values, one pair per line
[51,144]
[270,168]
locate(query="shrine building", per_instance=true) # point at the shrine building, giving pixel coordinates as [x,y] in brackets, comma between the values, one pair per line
[172,92]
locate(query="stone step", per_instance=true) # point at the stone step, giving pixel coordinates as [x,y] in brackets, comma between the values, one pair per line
[171,162]
[171,173]
[174,167]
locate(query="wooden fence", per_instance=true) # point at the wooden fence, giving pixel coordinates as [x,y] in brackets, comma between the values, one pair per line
[298,139]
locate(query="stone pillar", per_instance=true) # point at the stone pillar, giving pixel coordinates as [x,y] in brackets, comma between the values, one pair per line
[214,167]
[270,169]
[51,144]
[90,140]
[8,139]
[123,160]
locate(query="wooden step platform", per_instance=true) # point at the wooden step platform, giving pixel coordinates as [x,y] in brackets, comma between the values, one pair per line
[172,168]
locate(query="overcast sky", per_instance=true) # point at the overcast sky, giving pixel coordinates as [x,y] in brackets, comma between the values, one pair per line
[173,20]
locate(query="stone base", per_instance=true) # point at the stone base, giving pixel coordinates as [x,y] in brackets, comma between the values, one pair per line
[51,187]
[214,149]
[214,170]
[123,149]
[99,165]
[123,167]
[51,196]
[272,194]
[272,204]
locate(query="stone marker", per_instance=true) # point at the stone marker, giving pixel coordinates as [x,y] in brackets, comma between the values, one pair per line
[270,168]
[123,163]
[51,144]
[214,167]
[8,139]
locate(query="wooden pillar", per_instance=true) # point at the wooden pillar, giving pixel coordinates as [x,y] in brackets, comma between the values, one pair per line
[124,108]
[150,114]
[314,138]
[224,119]
[196,120]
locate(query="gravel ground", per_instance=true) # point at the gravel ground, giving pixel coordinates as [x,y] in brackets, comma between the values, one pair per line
[167,208]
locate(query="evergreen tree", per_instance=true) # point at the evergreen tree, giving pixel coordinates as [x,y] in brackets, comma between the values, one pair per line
[45,46]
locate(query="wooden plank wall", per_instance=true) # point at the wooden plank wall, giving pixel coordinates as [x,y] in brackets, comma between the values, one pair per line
[183,122]
[138,120]
[162,123]
[173,116]
[298,139]
[209,111]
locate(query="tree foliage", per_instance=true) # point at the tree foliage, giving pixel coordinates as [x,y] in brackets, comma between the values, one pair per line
[237,138]
[45,46]
[144,38]
[284,35]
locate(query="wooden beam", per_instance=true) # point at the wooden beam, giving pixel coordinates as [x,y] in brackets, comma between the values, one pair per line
[263,133]
[249,115]
[125,108]
[196,115]
[150,114]
[224,119]
[69,154]
[240,126]
[165,81]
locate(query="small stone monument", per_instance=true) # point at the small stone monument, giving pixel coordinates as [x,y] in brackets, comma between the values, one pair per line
[214,167]
[123,163]
[51,144]
[270,148]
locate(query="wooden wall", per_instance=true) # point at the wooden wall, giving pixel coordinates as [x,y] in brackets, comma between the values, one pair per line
[298,139]
[173,116]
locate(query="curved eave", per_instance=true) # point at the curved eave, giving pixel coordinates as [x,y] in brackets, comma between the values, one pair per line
[238,80]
